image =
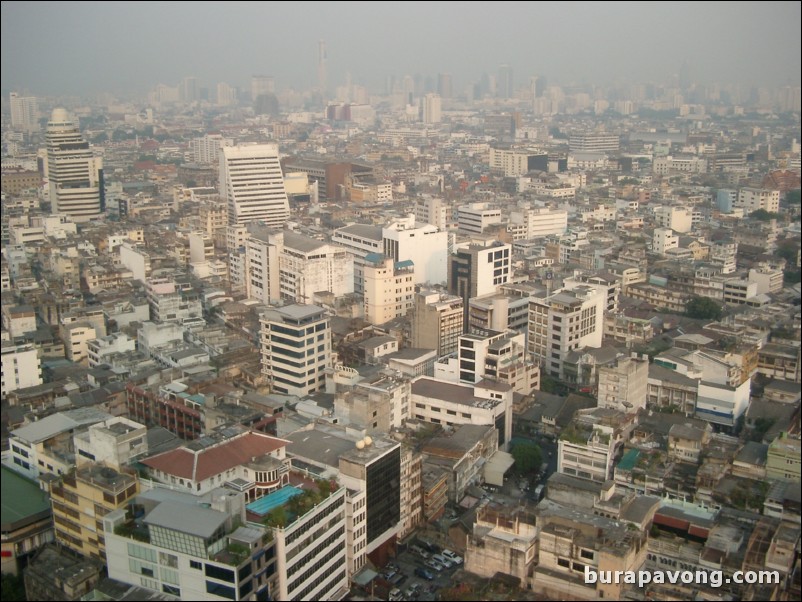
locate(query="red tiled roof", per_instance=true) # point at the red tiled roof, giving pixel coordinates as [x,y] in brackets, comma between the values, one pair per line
[202,464]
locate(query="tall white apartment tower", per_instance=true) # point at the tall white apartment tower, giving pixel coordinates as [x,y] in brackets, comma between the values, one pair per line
[74,173]
[431,109]
[252,185]
[24,112]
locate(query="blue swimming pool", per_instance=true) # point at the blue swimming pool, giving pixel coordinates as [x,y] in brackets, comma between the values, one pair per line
[265,504]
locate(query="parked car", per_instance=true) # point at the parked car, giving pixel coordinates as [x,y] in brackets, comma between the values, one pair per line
[442,560]
[454,558]
[395,594]
[434,565]
[423,573]
[420,551]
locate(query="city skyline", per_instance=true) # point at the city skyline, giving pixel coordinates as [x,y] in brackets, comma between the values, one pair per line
[582,43]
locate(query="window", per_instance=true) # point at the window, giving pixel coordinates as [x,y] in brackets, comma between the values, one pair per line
[194,564]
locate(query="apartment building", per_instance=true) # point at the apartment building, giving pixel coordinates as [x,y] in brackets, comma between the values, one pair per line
[389,288]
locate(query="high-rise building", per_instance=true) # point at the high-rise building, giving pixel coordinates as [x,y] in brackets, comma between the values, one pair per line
[504,85]
[567,320]
[206,150]
[430,109]
[188,90]
[296,348]
[252,185]
[389,288]
[322,59]
[74,173]
[478,270]
[445,86]
[24,112]
[437,321]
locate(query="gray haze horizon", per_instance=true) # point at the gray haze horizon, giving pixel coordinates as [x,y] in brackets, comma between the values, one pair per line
[78,48]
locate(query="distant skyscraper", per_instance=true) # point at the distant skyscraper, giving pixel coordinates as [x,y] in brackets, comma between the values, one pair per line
[262,85]
[444,85]
[74,173]
[252,185]
[321,67]
[189,91]
[504,83]
[430,109]
[24,112]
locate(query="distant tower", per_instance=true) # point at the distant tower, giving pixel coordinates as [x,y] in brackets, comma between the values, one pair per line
[444,86]
[430,109]
[684,76]
[321,67]
[74,173]
[252,185]
[504,83]
[24,112]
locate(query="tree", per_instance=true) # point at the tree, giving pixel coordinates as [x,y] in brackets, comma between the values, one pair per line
[703,308]
[13,587]
[763,215]
[527,456]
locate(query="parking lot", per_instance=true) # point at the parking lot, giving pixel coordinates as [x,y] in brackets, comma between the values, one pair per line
[406,562]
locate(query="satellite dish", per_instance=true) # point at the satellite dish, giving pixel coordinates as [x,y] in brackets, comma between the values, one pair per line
[368,441]
[360,444]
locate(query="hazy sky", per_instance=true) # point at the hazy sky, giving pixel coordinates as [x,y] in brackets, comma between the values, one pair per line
[67,48]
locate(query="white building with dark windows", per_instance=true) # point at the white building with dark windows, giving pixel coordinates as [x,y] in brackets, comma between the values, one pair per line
[74,173]
[252,184]
[296,348]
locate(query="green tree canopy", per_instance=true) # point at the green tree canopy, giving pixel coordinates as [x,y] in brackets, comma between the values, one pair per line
[527,456]
[703,308]
[763,215]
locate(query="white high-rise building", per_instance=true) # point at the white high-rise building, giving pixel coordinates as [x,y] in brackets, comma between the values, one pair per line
[75,174]
[24,112]
[21,367]
[567,320]
[206,149]
[296,348]
[430,109]
[252,184]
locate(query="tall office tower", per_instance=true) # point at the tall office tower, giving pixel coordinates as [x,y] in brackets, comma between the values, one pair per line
[504,82]
[262,85]
[24,112]
[226,95]
[289,333]
[444,85]
[430,109]
[565,321]
[321,67]
[189,91]
[74,173]
[252,185]
[478,270]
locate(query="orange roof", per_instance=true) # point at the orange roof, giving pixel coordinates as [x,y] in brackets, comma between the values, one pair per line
[199,465]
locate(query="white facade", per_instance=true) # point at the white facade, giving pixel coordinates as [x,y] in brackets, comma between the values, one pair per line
[678,219]
[24,112]
[389,289]
[206,150]
[434,211]
[425,246]
[308,266]
[252,185]
[76,338]
[752,199]
[430,109]
[663,240]
[73,171]
[590,459]
[136,259]
[540,221]
[21,367]
[261,269]
[478,216]
[566,320]
[722,404]
[98,350]
[112,442]
[296,349]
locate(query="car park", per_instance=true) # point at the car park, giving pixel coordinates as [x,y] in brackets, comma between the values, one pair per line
[434,565]
[442,560]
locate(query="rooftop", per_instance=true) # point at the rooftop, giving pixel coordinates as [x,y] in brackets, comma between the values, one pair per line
[202,522]
[200,464]
[22,501]
[455,393]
